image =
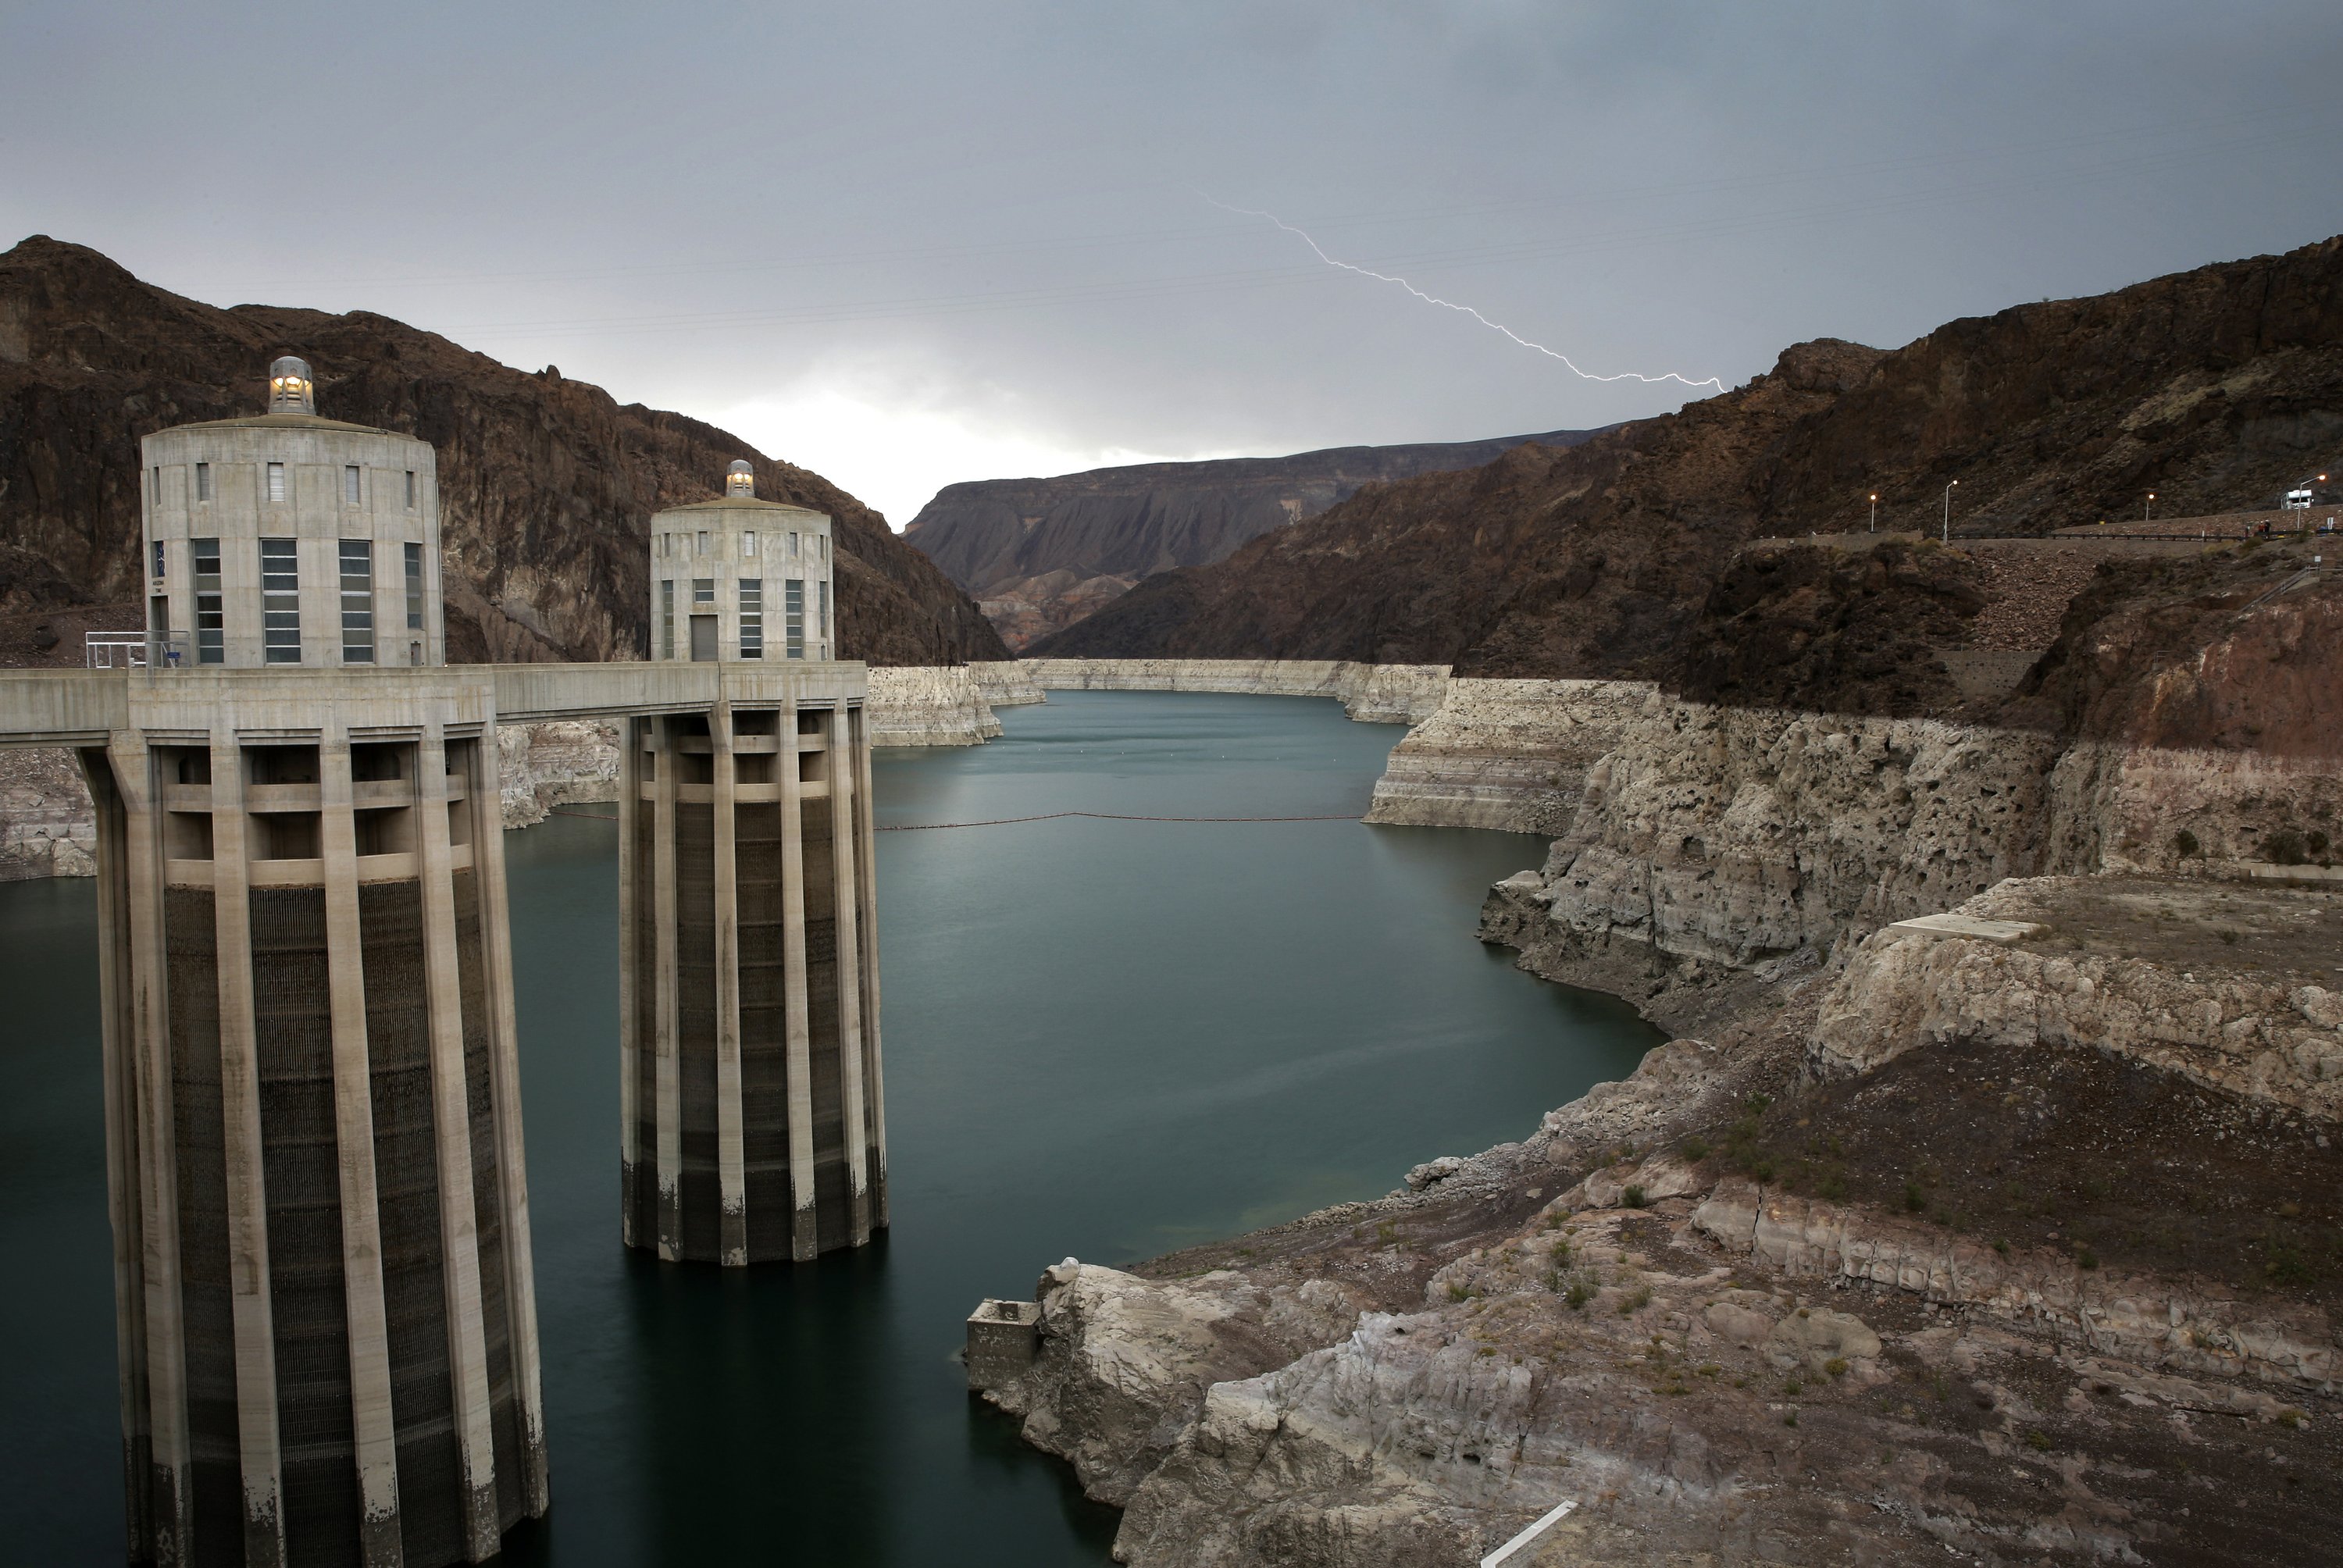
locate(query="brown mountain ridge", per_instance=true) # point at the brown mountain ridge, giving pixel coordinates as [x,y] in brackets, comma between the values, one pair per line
[546,484]
[2217,388]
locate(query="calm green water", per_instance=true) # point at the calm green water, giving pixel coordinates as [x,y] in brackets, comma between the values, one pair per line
[1103,1039]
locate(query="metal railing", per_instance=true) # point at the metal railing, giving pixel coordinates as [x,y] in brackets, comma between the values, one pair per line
[136,651]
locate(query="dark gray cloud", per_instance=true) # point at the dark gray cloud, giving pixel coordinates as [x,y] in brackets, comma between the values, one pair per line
[911,242]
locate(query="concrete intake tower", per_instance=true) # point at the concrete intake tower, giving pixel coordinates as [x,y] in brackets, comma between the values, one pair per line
[328,1340]
[324,1309]
[752,1121]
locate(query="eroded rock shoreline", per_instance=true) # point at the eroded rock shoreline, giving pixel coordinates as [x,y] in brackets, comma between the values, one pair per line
[1914,1243]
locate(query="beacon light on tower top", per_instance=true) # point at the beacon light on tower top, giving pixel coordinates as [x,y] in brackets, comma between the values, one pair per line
[741,480]
[291,391]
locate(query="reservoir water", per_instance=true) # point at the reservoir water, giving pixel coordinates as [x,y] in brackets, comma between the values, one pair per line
[1106,1038]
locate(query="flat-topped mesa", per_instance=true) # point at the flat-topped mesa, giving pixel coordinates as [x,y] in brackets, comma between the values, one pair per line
[737,577]
[753,1120]
[283,539]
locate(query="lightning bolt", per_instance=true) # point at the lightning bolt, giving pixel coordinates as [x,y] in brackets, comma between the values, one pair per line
[1452,305]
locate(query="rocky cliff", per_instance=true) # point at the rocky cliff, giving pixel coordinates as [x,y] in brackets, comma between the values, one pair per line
[1985,1210]
[546,484]
[1041,553]
[2214,387]
[1371,693]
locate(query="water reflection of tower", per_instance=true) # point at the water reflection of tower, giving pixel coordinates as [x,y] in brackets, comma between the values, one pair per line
[325,1309]
[752,1118]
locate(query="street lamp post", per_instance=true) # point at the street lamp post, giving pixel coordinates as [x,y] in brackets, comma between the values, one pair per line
[1875,511]
[2147,507]
[1949,509]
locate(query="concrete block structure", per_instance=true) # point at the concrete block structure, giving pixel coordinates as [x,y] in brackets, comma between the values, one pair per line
[737,577]
[753,1119]
[1003,1337]
[324,1303]
[288,540]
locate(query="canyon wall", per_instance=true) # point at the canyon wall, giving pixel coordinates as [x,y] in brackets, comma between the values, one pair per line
[1371,693]
[1041,553]
[937,706]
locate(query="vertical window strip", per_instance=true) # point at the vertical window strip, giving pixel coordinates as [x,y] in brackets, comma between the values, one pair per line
[203,481]
[824,590]
[793,616]
[410,490]
[158,557]
[413,588]
[358,601]
[753,618]
[352,485]
[211,624]
[276,481]
[280,600]
[666,618]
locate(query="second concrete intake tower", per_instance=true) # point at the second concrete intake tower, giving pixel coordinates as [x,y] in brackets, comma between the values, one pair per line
[753,1120]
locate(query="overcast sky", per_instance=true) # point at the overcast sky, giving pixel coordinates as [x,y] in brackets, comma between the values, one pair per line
[908,243]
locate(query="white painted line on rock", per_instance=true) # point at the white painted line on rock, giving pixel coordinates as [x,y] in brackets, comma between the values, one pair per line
[1532,1533]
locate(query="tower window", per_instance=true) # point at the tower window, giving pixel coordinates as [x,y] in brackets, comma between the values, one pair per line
[822,591]
[703,541]
[203,481]
[350,485]
[415,587]
[154,487]
[280,600]
[793,545]
[793,616]
[276,481]
[158,557]
[410,490]
[357,600]
[210,623]
[753,618]
[703,592]
[749,544]
[666,618]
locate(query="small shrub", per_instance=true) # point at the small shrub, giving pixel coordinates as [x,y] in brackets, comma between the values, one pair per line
[2086,1257]
[2317,842]
[1913,1199]
[2288,1266]
[2184,843]
[1790,1419]
[2001,1245]
[1762,1170]
[1633,1197]
[1387,1233]
[2284,847]
[1708,1369]
[1793,1386]
[1578,1295]
[2229,938]
[2038,1441]
[1634,1301]
[1835,1366]
[1456,1290]
[1833,1186]
[1560,1251]
[1695,1148]
[2289,1419]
